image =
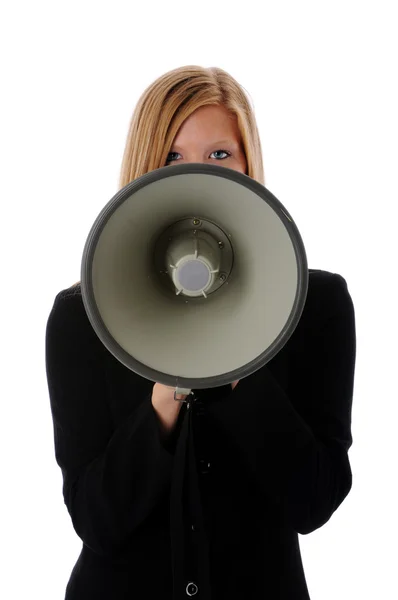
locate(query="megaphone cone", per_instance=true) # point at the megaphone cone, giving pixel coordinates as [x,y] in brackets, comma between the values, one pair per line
[194,276]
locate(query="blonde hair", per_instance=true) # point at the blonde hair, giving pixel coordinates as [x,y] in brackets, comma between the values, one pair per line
[168,102]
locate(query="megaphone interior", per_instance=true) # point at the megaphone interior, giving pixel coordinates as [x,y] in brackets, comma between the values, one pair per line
[194,276]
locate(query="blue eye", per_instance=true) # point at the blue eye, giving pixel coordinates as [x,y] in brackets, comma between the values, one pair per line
[224,151]
[168,156]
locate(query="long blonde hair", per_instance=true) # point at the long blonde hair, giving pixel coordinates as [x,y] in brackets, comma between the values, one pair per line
[168,102]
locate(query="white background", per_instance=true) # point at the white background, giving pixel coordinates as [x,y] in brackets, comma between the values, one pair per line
[323,79]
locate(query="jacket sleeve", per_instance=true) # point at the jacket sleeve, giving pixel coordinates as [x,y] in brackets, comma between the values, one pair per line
[295,443]
[112,477]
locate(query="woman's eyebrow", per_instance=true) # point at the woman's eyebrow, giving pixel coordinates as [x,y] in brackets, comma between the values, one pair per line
[231,142]
[217,142]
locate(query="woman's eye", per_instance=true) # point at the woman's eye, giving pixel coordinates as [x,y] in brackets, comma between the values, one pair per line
[224,152]
[169,159]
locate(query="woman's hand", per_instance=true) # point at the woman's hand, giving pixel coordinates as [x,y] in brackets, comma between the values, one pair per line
[164,394]
[234,384]
[166,408]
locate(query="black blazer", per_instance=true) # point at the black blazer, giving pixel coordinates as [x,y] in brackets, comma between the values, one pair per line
[216,511]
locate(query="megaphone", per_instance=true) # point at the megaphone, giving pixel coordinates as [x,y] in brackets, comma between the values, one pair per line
[194,276]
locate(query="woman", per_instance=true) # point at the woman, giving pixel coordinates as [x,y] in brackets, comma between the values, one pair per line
[272,452]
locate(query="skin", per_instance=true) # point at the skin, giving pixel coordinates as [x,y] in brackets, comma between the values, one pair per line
[210,135]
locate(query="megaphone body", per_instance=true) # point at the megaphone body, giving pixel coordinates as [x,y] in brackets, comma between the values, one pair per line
[194,276]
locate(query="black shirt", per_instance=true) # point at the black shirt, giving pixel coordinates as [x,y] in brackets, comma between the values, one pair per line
[215,511]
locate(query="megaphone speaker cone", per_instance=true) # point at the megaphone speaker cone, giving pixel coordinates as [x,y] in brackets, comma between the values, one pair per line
[194,276]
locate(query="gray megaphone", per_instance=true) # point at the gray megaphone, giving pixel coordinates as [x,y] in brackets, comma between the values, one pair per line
[194,276]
